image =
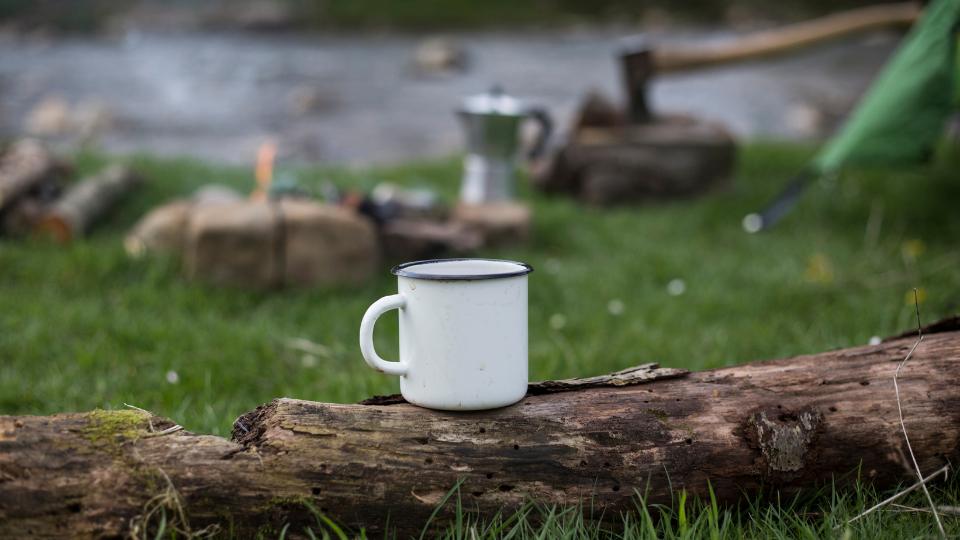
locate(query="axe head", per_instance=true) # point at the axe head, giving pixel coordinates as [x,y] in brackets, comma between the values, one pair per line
[637,68]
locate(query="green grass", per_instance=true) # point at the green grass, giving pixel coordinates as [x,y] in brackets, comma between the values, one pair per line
[84,326]
[818,515]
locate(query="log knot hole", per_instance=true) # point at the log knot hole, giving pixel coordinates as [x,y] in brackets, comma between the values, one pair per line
[784,438]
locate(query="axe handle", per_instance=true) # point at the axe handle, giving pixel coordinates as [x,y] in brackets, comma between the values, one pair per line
[787,38]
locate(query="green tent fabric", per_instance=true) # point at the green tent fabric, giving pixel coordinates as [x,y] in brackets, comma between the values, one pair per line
[901,118]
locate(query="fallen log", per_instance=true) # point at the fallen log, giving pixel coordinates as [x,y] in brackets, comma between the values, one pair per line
[87,200]
[24,165]
[783,425]
[30,177]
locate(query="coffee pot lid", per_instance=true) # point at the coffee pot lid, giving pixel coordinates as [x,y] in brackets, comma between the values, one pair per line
[496,101]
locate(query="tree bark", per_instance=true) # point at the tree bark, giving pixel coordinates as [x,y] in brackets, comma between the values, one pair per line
[783,425]
[87,200]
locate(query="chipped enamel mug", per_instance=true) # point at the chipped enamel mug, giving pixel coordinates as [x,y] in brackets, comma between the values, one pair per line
[463,333]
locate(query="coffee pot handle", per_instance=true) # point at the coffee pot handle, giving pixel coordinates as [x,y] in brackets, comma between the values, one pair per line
[542,117]
[378,308]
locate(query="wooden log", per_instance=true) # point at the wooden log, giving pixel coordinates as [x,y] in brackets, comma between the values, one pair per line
[27,170]
[86,201]
[671,157]
[405,239]
[782,425]
[22,166]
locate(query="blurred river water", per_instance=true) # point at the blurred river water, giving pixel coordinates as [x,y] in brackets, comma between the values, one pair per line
[359,99]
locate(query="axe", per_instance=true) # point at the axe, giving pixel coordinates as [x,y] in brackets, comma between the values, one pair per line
[640,62]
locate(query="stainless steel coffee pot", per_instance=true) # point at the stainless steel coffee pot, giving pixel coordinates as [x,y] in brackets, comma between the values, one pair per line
[492,123]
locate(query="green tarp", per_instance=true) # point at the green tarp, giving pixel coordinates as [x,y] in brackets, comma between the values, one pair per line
[901,118]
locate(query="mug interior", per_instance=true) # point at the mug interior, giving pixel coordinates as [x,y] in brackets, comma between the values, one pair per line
[461,269]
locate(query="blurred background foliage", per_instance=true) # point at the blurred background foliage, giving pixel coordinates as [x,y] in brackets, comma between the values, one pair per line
[409,15]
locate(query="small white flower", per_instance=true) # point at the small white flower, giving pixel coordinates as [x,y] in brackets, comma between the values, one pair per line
[558,321]
[676,287]
[752,223]
[308,360]
[875,340]
[615,307]
[172,377]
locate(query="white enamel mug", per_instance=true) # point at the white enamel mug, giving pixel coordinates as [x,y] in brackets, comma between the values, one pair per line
[463,333]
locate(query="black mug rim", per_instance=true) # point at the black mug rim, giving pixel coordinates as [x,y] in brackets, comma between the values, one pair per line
[403,270]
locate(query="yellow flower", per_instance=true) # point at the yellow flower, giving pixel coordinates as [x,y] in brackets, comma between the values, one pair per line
[908,298]
[911,249]
[819,269]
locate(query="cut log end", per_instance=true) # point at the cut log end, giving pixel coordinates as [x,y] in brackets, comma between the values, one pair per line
[87,201]
[55,228]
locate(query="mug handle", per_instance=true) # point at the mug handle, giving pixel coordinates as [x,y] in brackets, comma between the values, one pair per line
[378,308]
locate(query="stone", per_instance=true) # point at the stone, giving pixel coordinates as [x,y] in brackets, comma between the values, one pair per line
[234,244]
[306,99]
[804,120]
[326,245]
[499,224]
[161,231]
[54,116]
[260,244]
[251,15]
[438,55]
[91,119]
[214,194]
[49,117]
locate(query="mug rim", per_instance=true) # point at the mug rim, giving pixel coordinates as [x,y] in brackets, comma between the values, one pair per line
[402,270]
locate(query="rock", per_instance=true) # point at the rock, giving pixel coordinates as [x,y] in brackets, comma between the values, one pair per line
[161,231]
[326,245]
[54,116]
[90,119]
[213,194]
[234,244]
[438,55]
[804,120]
[501,223]
[261,244]
[251,15]
[50,117]
[310,99]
